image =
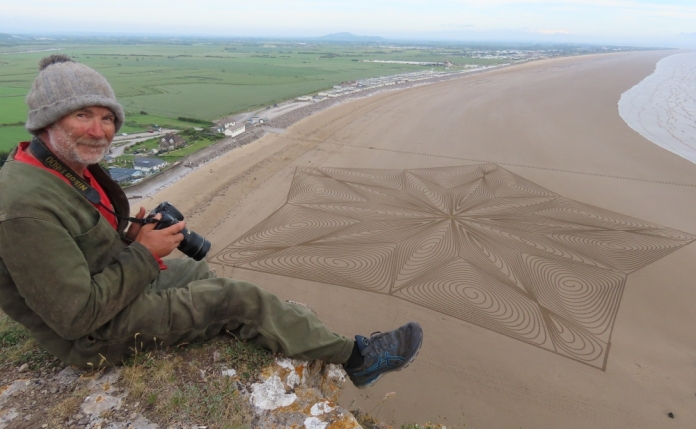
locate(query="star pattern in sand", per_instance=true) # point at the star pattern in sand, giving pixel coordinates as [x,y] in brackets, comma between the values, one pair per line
[475,242]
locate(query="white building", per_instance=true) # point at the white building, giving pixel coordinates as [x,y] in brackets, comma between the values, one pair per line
[225,123]
[148,165]
[235,130]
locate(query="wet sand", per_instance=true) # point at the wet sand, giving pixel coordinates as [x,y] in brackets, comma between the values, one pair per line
[552,128]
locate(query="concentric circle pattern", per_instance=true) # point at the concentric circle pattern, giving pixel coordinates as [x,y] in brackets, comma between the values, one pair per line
[476,242]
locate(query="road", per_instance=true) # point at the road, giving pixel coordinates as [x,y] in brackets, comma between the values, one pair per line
[282,109]
[273,112]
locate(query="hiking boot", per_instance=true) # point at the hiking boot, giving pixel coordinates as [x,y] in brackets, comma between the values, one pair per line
[385,352]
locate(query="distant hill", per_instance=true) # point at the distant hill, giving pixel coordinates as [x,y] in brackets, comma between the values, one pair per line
[349,37]
[7,40]
[11,39]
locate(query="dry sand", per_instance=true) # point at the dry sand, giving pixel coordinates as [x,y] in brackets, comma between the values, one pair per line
[556,124]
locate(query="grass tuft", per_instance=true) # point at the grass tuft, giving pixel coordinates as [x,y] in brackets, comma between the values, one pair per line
[186,385]
[17,347]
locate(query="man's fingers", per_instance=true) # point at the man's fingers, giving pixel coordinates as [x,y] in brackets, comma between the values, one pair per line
[151,226]
[178,238]
[176,228]
[161,242]
[141,213]
[134,227]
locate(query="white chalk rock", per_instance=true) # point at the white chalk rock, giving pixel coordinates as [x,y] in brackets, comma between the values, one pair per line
[270,394]
[297,393]
[314,423]
[321,408]
[229,373]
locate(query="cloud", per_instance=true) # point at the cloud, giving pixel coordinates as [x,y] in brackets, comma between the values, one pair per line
[603,20]
[550,31]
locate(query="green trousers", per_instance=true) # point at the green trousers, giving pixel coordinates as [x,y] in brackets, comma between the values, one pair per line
[187,302]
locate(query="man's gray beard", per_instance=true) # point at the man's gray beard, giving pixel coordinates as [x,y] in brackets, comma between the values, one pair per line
[65,146]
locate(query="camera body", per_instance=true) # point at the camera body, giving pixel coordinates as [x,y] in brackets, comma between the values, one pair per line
[193,245]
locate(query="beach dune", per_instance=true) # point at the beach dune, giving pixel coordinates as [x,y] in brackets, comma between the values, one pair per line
[537,156]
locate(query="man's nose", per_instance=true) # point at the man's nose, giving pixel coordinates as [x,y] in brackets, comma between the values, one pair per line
[96,129]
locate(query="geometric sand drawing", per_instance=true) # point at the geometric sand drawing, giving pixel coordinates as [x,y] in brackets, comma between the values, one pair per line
[475,242]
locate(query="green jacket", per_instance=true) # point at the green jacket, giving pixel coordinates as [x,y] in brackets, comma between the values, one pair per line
[64,270]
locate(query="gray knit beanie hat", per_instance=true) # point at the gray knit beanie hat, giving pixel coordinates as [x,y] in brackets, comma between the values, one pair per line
[64,86]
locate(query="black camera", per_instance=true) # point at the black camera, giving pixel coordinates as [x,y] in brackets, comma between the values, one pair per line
[194,246]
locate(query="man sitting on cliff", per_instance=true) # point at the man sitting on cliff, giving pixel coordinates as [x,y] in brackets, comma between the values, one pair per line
[91,291]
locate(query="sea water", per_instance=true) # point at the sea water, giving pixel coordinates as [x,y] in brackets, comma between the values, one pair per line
[662,107]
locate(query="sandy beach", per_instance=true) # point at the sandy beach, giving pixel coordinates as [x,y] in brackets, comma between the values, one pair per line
[582,315]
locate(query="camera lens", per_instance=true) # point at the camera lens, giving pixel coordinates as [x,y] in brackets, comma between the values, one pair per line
[193,245]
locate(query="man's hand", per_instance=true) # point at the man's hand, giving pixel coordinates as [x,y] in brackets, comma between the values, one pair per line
[134,227]
[160,242]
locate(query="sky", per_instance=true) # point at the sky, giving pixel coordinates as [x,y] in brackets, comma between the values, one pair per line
[634,22]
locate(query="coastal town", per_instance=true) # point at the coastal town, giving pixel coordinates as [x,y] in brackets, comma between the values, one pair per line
[140,156]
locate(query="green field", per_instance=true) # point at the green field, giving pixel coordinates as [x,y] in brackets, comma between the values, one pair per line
[159,82]
[140,123]
[209,80]
[12,106]
[10,136]
[12,110]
